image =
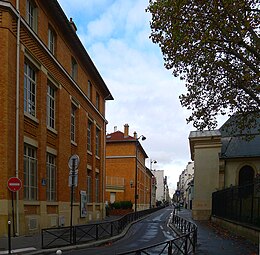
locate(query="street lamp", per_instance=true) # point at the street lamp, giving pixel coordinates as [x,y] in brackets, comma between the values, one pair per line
[136,167]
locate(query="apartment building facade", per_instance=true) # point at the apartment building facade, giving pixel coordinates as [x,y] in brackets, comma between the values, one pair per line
[52,106]
[127,177]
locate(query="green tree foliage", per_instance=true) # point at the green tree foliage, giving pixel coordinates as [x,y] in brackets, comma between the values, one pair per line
[214,46]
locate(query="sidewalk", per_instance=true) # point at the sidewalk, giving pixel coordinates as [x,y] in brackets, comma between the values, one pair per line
[213,240]
[31,244]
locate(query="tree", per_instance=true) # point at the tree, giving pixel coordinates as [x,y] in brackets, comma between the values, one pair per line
[214,46]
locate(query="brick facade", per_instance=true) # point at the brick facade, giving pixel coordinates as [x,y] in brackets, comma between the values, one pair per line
[54,69]
[125,156]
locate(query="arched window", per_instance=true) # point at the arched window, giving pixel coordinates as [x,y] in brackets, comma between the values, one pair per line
[246,175]
[245,182]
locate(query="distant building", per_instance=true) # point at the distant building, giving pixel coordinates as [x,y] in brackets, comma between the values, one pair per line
[162,190]
[52,106]
[127,177]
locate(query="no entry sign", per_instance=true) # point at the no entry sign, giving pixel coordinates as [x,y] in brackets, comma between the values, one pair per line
[14,184]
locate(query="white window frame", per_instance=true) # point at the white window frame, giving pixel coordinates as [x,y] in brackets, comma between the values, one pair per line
[98,133]
[89,187]
[89,89]
[73,123]
[51,40]
[51,105]
[31,14]
[29,89]
[30,173]
[74,69]
[51,191]
[97,188]
[89,135]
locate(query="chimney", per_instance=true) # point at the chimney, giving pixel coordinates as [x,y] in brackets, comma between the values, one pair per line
[115,128]
[135,135]
[126,130]
[73,25]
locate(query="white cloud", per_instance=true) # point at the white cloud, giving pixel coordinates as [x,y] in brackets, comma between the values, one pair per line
[116,36]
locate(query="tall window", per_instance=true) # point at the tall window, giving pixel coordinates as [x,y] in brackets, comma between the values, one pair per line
[74,69]
[51,177]
[30,173]
[97,142]
[73,123]
[31,14]
[29,90]
[97,101]
[89,89]
[89,187]
[97,188]
[51,40]
[89,137]
[51,106]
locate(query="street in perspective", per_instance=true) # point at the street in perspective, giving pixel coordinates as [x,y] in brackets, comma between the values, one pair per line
[130,127]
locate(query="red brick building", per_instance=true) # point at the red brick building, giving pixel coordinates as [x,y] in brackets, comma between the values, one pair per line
[52,106]
[127,177]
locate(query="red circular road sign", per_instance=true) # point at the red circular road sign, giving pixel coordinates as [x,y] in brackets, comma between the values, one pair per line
[14,184]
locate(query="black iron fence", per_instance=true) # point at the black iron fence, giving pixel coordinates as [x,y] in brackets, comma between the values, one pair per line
[79,234]
[184,244]
[238,203]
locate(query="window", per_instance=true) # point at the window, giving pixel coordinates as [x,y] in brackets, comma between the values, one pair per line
[89,187]
[30,173]
[97,101]
[51,40]
[89,138]
[51,177]
[31,14]
[29,90]
[97,188]
[97,142]
[89,89]
[74,69]
[73,123]
[51,106]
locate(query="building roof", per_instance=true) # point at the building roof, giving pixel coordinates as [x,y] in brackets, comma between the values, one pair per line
[118,136]
[204,133]
[237,143]
[239,147]
[68,32]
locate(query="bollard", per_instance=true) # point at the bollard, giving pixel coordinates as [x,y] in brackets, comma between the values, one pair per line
[9,237]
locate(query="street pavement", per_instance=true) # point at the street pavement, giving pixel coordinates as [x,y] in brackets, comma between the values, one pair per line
[212,240]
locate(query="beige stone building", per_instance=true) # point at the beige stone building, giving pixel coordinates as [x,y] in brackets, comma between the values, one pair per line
[221,158]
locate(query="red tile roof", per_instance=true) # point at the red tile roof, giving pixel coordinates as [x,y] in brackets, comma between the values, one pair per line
[119,136]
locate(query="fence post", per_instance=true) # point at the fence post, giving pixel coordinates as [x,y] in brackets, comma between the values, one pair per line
[96,231]
[170,248]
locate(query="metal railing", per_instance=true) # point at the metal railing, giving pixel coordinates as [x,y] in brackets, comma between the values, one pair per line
[238,203]
[79,234]
[185,243]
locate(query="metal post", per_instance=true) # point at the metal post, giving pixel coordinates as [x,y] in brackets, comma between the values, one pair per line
[9,237]
[71,197]
[136,176]
[13,213]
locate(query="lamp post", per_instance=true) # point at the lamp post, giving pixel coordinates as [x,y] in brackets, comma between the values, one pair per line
[136,167]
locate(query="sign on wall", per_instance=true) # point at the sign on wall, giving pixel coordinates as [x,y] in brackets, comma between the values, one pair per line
[83,204]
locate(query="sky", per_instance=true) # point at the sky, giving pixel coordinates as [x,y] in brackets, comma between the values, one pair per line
[115,34]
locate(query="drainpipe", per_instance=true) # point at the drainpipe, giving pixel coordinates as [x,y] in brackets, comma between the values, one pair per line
[17,112]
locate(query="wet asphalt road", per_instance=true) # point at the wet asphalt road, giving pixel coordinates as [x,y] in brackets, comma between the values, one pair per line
[151,230]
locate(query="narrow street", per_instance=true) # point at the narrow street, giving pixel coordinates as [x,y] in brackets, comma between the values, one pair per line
[153,229]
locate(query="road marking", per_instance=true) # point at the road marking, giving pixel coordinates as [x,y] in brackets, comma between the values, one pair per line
[19,250]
